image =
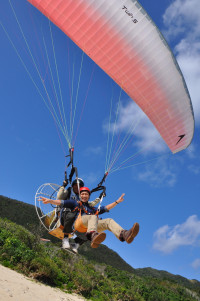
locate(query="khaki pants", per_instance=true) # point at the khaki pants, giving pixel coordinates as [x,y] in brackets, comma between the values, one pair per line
[94,224]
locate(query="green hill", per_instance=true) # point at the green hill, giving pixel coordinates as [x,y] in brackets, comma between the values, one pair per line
[25,215]
[21,213]
[105,277]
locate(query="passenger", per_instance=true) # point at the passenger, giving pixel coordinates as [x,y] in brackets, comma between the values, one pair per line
[68,218]
[89,218]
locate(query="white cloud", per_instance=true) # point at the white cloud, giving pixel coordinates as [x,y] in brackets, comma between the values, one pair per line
[189,62]
[195,169]
[91,179]
[191,151]
[196,263]
[182,20]
[167,239]
[181,15]
[90,151]
[131,119]
[160,173]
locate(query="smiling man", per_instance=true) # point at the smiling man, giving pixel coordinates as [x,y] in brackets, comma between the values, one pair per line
[89,222]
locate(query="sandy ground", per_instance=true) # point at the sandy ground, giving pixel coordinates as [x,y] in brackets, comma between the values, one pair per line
[16,287]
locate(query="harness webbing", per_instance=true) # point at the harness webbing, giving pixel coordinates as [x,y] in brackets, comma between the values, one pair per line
[82,208]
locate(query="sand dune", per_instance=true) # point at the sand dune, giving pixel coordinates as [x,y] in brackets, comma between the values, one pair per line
[16,287]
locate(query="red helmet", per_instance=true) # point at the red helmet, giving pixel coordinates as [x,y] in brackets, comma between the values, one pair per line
[85,189]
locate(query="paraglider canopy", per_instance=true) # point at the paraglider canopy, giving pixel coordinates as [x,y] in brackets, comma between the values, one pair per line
[127,45]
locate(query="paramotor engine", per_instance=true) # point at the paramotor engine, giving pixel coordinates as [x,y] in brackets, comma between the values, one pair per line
[48,214]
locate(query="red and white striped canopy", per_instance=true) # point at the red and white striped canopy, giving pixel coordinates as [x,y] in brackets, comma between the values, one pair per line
[120,37]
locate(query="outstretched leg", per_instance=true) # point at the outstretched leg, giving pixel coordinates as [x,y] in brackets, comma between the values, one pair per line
[91,222]
[117,230]
[111,225]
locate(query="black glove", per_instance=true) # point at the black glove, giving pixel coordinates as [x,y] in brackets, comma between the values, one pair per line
[102,194]
[64,183]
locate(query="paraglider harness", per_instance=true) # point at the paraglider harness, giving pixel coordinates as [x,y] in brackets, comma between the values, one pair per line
[71,219]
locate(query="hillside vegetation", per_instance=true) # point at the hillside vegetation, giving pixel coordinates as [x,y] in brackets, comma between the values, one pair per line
[25,215]
[47,262]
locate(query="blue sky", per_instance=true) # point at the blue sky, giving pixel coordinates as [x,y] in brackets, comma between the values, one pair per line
[161,194]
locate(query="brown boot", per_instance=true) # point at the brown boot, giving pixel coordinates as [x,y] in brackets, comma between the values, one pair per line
[97,239]
[129,235]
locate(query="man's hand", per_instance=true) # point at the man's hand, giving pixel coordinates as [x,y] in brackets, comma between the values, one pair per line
[121,198]
[44,200]
[49,201]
